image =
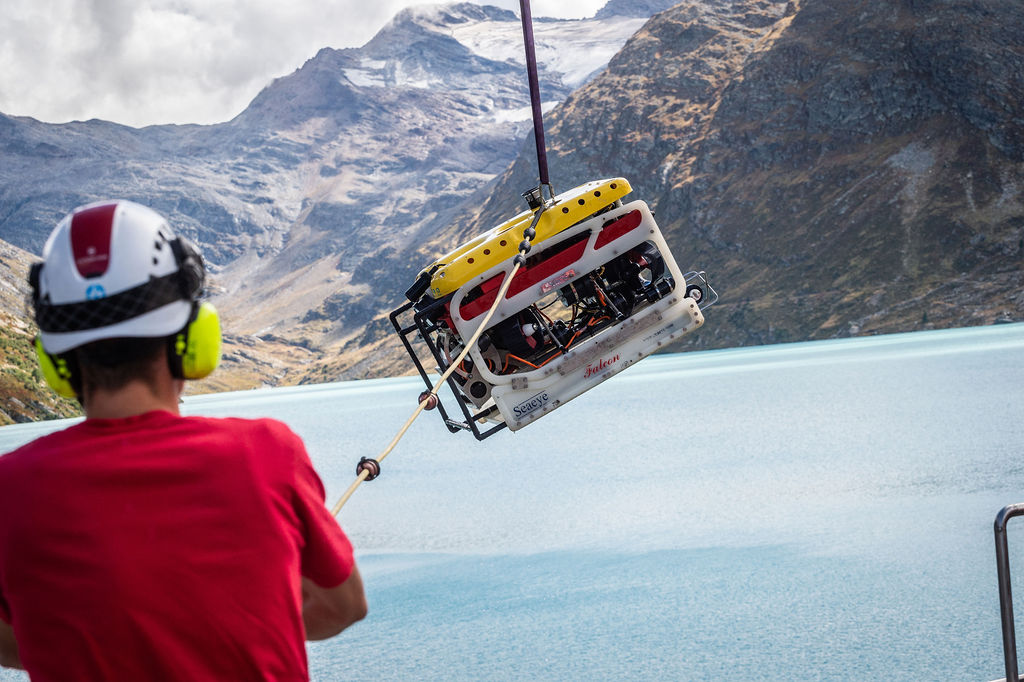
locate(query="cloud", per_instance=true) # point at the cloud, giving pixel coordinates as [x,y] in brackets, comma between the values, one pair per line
[177,61]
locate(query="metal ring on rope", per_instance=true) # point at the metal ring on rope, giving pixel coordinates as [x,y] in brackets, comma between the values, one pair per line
[370,466]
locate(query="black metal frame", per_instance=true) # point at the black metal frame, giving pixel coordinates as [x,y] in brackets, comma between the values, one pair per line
[425,326]
[1005,595]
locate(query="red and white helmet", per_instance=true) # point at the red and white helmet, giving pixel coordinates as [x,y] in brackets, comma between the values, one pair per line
[112,270]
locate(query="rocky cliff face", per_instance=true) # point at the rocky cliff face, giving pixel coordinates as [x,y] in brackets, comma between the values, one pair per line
[865,173]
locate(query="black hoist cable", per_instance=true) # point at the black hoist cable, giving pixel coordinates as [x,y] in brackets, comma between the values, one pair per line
[369,468]
[535,102]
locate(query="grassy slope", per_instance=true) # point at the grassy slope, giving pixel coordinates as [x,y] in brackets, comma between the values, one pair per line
[24,395]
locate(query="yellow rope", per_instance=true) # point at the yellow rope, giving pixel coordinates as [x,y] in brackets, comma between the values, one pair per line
[433,392]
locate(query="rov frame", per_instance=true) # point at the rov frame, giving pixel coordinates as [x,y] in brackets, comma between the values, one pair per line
[606,263]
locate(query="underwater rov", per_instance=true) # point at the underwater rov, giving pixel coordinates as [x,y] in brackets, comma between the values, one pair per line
[599,291]
[515,335]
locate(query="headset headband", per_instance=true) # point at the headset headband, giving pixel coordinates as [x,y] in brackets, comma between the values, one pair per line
[103,312]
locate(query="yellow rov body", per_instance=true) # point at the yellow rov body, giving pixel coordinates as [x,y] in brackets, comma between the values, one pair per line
[599,291]
[501,243]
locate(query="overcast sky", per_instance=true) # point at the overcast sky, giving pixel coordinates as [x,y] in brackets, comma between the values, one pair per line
[141,62]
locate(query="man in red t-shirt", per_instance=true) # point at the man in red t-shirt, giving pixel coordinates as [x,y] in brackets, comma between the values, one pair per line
[140,544]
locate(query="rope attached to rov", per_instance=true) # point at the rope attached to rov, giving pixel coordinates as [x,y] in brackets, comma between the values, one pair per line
[368,469]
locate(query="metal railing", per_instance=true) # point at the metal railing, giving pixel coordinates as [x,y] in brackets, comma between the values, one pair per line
[1005,595]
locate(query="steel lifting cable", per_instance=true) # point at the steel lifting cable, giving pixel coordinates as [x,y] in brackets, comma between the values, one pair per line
[531,74]
[369,469]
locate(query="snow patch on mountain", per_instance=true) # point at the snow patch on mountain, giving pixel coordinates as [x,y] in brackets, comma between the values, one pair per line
[574,49]
[369,73]
[522,113]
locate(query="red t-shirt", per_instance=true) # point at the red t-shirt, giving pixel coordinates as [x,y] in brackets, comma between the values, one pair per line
[161,547]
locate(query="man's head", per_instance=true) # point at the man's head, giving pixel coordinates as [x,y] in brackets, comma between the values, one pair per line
[116,287]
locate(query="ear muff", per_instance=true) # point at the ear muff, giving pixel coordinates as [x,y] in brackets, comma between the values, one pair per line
[194,352]
[57,371]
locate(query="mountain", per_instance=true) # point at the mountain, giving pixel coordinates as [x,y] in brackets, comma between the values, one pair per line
[324,180]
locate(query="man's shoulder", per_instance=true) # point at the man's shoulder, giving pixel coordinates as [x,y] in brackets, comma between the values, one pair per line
[262,432]
[263,425]
[267,446]
[50,441]
[34,459]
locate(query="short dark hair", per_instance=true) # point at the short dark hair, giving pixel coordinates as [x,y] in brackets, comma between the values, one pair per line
[110,364]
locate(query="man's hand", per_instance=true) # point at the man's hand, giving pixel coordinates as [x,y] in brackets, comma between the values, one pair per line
[326,611]
[9,657]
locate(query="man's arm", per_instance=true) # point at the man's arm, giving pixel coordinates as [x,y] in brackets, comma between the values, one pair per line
[326,611]
[9,657]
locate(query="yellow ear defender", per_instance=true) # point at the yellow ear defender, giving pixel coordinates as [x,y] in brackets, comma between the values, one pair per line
[194,353]
[195,350]
[56,371]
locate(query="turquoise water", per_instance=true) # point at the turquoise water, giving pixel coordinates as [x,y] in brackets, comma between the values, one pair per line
[812,511]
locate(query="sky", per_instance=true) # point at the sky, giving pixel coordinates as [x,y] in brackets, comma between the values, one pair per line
[144,62]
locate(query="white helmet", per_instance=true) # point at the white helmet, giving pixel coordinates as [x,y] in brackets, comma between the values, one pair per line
[111,270]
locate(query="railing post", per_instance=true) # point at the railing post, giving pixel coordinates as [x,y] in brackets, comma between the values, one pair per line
[1005,595]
